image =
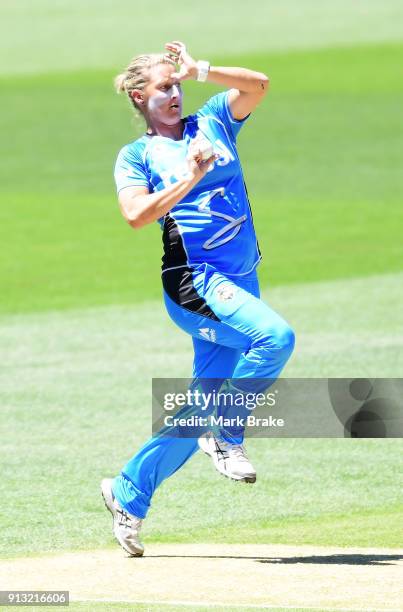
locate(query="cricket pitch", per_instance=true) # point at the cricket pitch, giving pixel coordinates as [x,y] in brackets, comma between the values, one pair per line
[257,575]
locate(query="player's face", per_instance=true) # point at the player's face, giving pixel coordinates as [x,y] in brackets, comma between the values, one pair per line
[163,96]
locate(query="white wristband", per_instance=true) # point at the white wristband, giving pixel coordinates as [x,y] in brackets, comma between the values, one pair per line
[202,70]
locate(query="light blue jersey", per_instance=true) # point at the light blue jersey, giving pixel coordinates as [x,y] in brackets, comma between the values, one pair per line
[213,222]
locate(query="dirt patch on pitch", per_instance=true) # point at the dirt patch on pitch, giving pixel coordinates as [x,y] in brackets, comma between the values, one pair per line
[270,575]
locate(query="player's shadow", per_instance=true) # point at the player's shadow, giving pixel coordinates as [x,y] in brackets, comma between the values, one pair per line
[341,559]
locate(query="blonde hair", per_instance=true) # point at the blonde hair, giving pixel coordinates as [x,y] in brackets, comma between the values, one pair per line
[137,74]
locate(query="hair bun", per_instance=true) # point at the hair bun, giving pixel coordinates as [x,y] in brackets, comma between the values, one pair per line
[120,82]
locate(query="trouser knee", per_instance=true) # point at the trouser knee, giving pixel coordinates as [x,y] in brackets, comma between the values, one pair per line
[279,343]
[286,342]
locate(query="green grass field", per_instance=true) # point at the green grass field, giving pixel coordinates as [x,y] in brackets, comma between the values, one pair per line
[82,327]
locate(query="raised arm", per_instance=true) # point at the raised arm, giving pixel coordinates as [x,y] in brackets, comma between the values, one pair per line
[247,87]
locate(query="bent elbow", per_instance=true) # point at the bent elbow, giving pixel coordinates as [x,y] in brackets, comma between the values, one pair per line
[136,222]
[264,83]
[131,216]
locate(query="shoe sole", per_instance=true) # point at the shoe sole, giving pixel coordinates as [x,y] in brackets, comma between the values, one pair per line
[108,501]
[248,479]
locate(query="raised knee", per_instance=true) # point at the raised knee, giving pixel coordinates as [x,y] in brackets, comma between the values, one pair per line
[281,340]
[285,340]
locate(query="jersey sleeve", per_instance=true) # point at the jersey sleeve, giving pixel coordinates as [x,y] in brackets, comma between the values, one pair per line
[219,107]
[130,170]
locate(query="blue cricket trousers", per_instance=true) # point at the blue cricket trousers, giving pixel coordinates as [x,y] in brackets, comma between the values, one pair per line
[235,335]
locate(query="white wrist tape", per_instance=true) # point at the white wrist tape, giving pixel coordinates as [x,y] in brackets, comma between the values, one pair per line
[202,70]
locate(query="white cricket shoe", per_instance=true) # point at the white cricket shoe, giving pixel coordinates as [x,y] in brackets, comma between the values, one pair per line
[126,527]
[229,459]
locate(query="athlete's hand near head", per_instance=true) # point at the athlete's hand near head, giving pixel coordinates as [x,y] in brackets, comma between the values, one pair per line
[187,65]
[247,87]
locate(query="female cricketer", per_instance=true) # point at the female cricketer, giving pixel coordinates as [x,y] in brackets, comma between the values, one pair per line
[185,173]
